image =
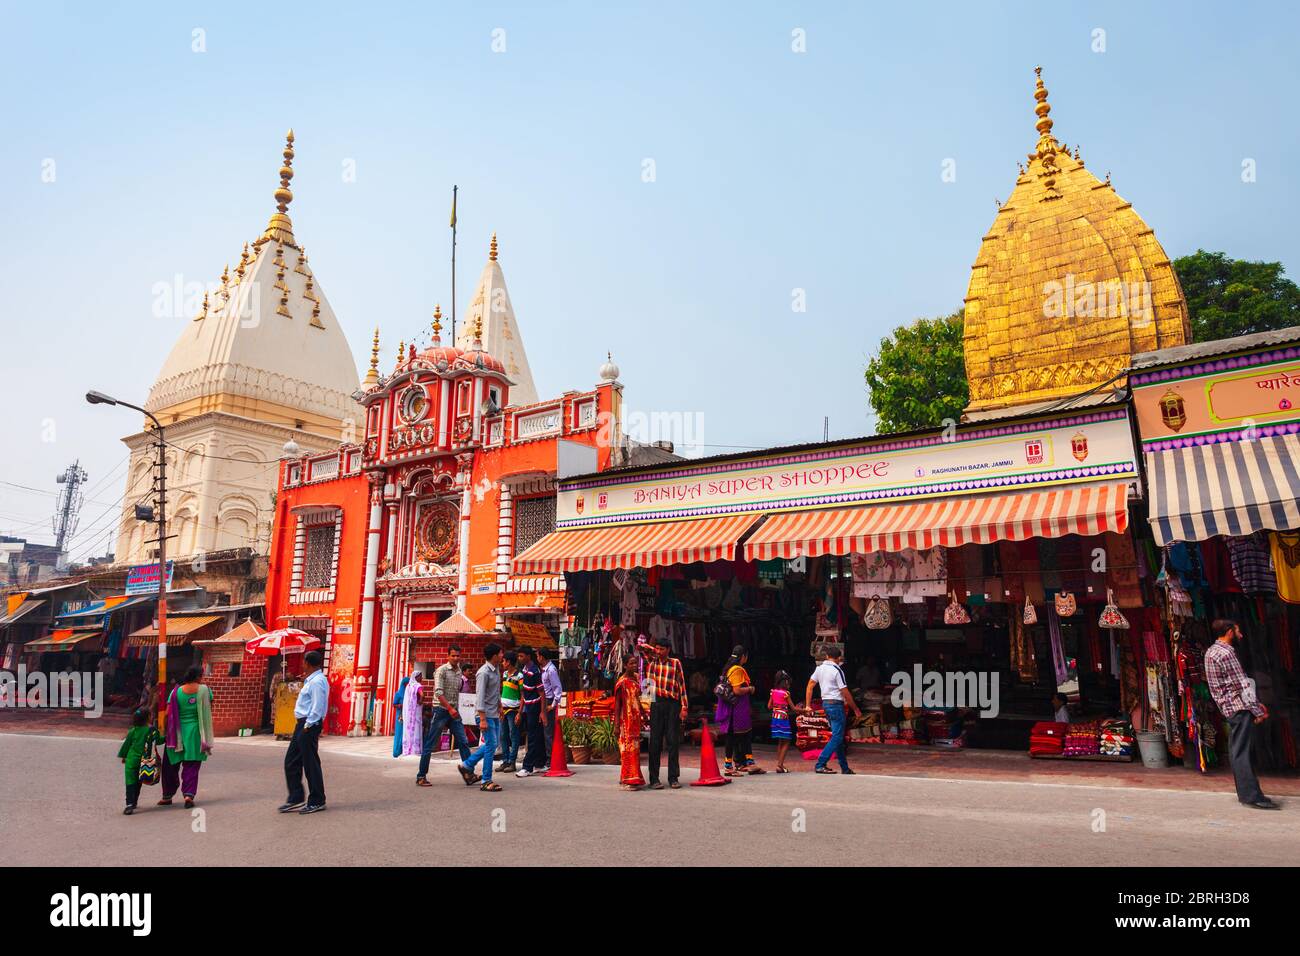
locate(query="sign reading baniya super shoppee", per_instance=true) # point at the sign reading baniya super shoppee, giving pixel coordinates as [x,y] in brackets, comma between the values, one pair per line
[983,458]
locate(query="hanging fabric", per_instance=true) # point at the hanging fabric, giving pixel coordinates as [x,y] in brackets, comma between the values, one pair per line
[1059,664]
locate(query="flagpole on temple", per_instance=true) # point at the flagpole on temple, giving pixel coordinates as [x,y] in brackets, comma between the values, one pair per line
[454,190]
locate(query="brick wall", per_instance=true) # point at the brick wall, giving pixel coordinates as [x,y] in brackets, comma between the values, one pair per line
[434,649]
[238,701]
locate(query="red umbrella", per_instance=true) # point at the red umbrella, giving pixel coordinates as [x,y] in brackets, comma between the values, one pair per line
[287,640]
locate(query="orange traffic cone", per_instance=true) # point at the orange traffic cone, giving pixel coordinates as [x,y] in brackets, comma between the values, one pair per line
[709,776]
[559,767]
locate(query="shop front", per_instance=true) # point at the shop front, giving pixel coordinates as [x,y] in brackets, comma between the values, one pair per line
[989,550]
[1220,430]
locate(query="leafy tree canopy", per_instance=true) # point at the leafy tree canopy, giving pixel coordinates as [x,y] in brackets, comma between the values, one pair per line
[1230,297]
[918,377]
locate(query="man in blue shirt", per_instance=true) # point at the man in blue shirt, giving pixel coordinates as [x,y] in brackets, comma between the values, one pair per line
[302,756]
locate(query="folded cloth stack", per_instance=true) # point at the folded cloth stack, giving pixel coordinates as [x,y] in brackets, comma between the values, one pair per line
[1047,737]
[1116,738]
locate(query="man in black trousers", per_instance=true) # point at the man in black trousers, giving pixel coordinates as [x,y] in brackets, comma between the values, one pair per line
[667,711]
[302,756]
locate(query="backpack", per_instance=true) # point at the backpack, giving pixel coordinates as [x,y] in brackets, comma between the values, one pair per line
[724,691]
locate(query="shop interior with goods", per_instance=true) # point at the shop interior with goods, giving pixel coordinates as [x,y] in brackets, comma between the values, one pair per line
[1111,626]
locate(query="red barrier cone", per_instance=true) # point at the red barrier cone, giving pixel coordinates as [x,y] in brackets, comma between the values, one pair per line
[709,776]
[559,767]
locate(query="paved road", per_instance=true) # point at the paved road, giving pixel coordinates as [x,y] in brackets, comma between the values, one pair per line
[64,808]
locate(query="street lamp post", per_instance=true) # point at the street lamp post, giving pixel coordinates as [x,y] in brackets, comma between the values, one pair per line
[99,398]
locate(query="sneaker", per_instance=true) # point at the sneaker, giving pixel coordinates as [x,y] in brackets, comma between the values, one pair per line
[312,808]
[525,773]
[291,805]
[128,811]
[421,782]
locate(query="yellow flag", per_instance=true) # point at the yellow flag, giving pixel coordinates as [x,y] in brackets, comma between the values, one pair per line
[453,209]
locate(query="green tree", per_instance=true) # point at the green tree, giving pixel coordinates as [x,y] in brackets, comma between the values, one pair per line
[918,377]
[1229,297]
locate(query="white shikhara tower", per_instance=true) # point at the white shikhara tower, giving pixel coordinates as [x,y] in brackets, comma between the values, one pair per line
[501,338]
[262,362]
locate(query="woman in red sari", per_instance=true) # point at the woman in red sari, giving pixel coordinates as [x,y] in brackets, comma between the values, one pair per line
[627,721]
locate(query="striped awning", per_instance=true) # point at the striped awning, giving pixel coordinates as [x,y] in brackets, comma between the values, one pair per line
[67,639]
[1231,487]
[636,545]
[180,630]
[1014,516]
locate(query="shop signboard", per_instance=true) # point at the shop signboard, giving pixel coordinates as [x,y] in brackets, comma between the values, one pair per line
[974,459]
[1232,398]
[343,618]
[531,633]
[143,578]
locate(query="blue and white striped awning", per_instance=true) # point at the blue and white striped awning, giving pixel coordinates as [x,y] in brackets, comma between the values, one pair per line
[1227,487]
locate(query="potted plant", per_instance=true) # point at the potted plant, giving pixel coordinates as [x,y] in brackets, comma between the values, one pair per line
[604,741]
[577,737]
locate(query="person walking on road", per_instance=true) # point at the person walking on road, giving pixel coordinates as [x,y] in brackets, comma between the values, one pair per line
[445,696]
[1234,693]
[667,710]
[140,740]
[532,700]
[189,737]
[836,698]
[302,757]
[487,707]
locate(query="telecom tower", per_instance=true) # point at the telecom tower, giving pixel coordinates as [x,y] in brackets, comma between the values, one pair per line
[67,508]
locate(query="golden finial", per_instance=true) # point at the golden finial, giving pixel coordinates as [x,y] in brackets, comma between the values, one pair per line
[225,275]
[372,376]
[204,313]
[478,331]
[437,324]
[1042,108]
[243,261]
[401,353]
[280,228]
[492,249]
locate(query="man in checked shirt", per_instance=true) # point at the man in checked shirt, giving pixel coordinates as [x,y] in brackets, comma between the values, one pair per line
[1235,695]
[667,710]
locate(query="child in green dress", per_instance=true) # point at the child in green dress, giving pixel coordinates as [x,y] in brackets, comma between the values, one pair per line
[141,735]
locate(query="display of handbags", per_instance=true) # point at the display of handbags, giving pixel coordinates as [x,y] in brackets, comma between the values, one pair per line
[1031,614]
[955,612]
[879,615]
[1065,604]
[1110,614]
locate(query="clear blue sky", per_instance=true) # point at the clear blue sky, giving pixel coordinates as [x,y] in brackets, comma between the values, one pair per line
[775,171]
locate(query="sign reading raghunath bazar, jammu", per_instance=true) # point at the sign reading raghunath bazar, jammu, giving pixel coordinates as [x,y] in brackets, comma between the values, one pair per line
[970,460]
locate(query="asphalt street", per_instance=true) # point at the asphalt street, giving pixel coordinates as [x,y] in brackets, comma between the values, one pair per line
[61,799]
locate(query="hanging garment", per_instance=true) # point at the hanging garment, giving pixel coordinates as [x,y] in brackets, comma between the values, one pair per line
[1022,651]
[1286,564]
[908,574]
[1059,666]
[1122,570]
[1250,563]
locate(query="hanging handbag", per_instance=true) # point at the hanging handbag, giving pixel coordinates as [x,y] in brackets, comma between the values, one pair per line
[1065,604]
[879,615]
[1110,614]
[148,774]
[1031,614]
[955,612]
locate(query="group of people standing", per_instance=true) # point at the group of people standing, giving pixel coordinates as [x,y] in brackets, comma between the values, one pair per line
[517,698]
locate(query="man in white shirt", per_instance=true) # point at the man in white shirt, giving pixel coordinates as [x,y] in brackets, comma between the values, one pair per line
[829,677]
[302,756]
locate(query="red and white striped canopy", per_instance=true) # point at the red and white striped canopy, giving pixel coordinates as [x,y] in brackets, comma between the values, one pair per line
[1014,516]
[635,546]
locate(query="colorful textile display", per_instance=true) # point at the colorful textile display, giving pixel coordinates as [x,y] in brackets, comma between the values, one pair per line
[1047,738]
[910,575]
[1023,660]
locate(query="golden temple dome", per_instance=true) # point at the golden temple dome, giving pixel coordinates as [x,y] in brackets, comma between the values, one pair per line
[1069,283]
